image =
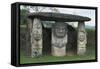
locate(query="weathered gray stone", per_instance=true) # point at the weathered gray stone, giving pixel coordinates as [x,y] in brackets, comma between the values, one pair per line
[51,16]
[82,39]
[59,39]
[36,38]
[59,33]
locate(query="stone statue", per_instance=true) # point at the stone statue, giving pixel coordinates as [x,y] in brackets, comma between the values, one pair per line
[36,38]
[82,39]
[59,39]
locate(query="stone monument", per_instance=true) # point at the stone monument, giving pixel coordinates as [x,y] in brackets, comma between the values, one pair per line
[36,38]
[59,39]
[59,32]
[82,39]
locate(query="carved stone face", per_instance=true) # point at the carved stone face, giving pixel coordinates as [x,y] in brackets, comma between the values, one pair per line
[37,35]
[59,30]
[81,36]
[37,31]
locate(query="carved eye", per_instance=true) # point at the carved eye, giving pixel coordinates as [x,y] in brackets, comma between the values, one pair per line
[38,26]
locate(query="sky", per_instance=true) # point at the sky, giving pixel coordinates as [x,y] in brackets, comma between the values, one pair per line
[82,12]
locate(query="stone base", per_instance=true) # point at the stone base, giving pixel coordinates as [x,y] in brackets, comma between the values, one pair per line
[81,51]
[36,52]
[59,51]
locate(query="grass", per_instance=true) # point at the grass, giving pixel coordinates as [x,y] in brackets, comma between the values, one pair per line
[90,54]
[26,59]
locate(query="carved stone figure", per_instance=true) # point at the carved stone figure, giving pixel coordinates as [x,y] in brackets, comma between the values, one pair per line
[60,36]
[59,39]
[59,30]
[82,36]
[82,40]
[36,38]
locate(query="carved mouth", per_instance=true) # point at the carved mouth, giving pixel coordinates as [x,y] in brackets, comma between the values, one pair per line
[37,36]
[82,39]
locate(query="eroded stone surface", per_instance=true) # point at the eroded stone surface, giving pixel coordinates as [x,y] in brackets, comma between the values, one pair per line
[59,39]
[36,38]
[82,39]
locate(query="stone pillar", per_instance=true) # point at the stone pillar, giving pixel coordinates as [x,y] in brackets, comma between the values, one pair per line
[36,38]
[82,39]
[59,39]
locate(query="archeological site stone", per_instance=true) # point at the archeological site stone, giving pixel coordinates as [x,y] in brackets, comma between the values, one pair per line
[36,38]
[82,40]
[59,39]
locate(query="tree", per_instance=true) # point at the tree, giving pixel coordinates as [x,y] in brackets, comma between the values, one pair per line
[23,16]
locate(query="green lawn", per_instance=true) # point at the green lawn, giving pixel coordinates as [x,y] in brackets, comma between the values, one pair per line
[25,59]
[90,54]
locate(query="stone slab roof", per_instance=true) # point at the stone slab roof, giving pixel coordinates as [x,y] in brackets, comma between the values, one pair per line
[51,16]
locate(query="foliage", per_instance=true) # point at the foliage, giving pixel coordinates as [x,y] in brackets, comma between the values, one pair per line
[23,16]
